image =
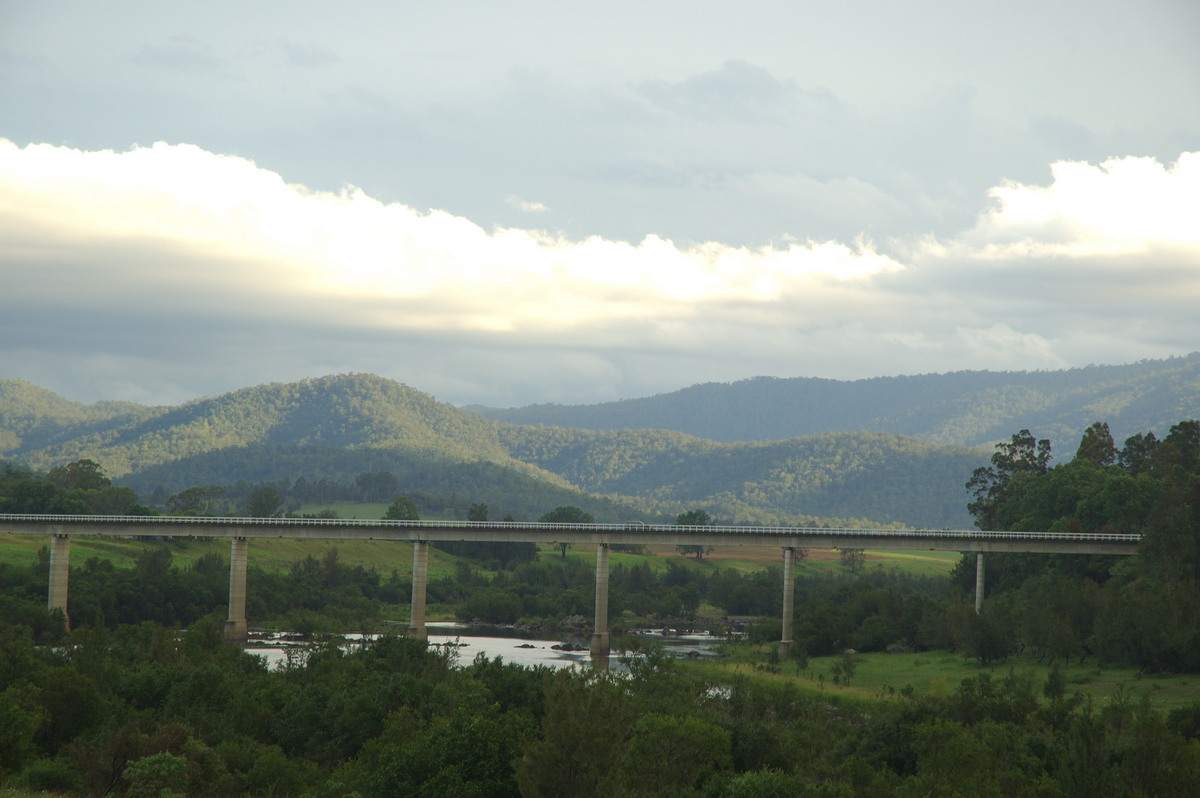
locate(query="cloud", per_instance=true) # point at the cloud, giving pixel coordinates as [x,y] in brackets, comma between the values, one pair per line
[1122,206]
[182,53]
[170,267]
[308,55]
[526,207]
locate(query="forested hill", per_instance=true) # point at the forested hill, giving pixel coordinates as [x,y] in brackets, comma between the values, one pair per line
[339,428]
[967,408]
[353,411]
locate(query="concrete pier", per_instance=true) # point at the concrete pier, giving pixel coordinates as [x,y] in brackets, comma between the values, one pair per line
[420,580]
[789,584]
[235,626]
[978,582]
[600,641]
[60,569]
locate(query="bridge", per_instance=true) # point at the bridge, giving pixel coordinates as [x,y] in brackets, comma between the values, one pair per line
[61,528]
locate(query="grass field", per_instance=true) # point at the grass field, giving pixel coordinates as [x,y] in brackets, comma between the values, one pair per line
[880,676]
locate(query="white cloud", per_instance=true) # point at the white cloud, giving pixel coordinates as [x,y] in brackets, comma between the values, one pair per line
[174,263]
[1119,207]
[525,206]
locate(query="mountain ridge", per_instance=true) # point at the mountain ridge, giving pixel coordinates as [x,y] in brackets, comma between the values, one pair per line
[334,427]
[965,408]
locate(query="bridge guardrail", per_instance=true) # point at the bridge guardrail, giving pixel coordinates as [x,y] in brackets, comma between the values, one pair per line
[848,532]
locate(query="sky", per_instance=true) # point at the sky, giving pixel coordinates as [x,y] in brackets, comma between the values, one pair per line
[513,203]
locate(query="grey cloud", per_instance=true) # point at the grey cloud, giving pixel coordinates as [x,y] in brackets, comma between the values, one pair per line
[182,53]
[308,55]
[736,89]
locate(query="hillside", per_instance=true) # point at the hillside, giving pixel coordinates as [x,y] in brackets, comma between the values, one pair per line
[970,408]
[335,428]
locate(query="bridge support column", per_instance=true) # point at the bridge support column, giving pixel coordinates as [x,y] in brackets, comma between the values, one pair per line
[789,583]
[600,642]
[60,569]
[235,626]
[420,579]
[978,582]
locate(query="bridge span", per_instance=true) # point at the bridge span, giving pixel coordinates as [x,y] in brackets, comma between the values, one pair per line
[61,528]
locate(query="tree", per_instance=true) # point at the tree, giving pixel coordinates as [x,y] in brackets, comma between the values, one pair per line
[1097,447]
[195,501]
[566,514]
[81,475]
[403,509]
[376,485]
[853,559]
[1012,464]
[694,518]
[477,512]
[263,502]
[1138,453]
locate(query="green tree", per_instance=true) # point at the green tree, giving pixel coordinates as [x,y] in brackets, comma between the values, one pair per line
[1096,447]
[403,509]
[566,514]
[263,502]
[80,475]
[582,745]
[1013,463]
[1138,453]
[195,501]
[694,518]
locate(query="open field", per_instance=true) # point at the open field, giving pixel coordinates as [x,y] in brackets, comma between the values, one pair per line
[880,676]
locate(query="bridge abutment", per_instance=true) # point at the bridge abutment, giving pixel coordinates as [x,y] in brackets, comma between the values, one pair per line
[420,581]
[236,627]
[600,642]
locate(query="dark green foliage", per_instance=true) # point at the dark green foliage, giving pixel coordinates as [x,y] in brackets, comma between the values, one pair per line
[403,509]
[1143,611]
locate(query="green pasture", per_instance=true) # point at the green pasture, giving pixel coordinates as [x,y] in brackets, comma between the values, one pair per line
[884,676]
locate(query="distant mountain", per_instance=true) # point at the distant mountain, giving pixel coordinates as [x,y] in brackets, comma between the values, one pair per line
[968,408]
[335,428]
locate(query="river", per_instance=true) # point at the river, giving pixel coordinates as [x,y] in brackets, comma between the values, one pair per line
[467,642]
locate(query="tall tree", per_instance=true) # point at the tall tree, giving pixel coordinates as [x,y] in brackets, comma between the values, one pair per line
[1097,447]
[1012,464]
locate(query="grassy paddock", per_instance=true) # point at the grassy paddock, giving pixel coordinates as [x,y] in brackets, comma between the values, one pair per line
[880,676]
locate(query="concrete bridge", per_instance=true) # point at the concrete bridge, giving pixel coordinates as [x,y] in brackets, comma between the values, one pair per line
[61,528]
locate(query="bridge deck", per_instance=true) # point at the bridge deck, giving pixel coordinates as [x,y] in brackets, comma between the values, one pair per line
[965,540]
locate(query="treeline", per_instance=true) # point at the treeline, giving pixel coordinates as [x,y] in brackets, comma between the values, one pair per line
[143,710]
[1142,610]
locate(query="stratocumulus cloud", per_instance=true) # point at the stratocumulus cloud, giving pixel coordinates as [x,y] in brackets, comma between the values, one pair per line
[115,261]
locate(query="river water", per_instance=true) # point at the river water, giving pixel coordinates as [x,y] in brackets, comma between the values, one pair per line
[467,642]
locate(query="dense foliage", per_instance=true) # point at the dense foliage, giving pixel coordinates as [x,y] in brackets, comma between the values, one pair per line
[1144,610]
[142,710]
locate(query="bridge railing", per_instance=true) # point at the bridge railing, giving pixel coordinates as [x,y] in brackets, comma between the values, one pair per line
[624,527]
